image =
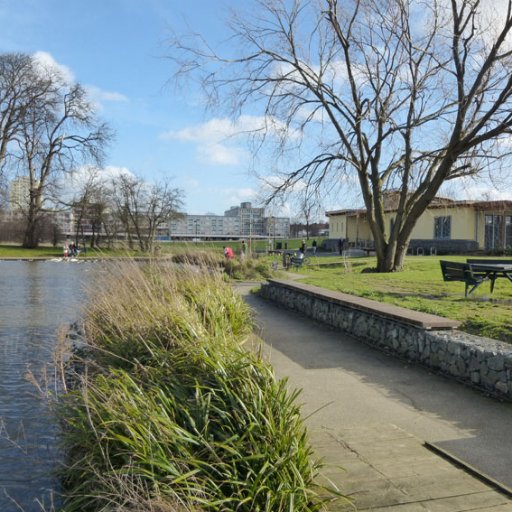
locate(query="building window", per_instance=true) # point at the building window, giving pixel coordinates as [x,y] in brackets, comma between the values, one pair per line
[443,227]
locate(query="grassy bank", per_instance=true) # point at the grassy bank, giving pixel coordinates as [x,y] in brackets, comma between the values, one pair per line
[421,287]
[162,248]
[46,251]
[173,413]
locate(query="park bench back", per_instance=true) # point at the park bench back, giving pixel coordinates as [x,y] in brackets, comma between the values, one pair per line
[459,271]
[455,271]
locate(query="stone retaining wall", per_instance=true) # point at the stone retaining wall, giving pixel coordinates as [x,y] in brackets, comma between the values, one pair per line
[481,362]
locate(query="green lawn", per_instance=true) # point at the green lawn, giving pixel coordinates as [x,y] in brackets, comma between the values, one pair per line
[421,287]
[16,251]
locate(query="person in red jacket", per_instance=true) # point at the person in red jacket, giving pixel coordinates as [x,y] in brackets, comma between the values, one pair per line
[228,253]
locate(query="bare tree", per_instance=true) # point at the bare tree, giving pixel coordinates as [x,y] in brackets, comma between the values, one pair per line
[83,204]
[393,95]
[22,89]
[47,127]
[55,138]
[308,208]
[144,207]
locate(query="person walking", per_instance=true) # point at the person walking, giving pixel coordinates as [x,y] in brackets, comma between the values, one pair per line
[313,246]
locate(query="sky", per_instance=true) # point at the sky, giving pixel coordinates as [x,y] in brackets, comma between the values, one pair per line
[117,49]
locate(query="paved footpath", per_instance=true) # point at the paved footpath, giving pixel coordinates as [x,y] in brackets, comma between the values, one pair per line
[370,414]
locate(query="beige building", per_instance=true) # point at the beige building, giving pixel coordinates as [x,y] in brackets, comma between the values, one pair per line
[447,225]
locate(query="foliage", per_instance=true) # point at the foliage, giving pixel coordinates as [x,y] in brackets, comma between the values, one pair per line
[421,287]
[173,410]
[248,269]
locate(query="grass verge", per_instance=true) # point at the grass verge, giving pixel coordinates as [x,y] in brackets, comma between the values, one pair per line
[420,287]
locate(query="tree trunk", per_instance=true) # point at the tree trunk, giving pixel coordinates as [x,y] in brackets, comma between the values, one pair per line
[31,238]
[390,254]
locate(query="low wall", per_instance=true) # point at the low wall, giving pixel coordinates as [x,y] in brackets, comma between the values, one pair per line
[426,339]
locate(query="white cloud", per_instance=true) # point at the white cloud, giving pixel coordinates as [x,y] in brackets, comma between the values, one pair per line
[99,96]
[218,139]
[74,182]
[486,193]
[46,64]
[219,154]
[240,195]
[221,129]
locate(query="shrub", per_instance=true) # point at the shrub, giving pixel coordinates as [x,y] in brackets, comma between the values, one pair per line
[175,414]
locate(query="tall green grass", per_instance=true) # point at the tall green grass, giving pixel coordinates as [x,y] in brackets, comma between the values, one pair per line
[172,412]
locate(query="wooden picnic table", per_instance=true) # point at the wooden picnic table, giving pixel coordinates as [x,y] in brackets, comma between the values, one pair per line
[492,270]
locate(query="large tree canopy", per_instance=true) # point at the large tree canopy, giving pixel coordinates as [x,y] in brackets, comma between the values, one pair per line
[47,127]
[401,95]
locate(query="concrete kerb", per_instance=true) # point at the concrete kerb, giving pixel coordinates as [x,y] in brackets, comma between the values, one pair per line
[429,340]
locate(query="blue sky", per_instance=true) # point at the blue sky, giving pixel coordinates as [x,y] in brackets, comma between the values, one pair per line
[116,48]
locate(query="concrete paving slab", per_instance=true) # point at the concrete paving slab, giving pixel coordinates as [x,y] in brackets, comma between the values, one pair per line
[407,476]
[367,410]
[479,503]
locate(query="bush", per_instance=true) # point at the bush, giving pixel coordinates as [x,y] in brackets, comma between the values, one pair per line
[247,269]
[174,414]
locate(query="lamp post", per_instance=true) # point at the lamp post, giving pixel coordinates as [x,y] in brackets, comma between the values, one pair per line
[250,233]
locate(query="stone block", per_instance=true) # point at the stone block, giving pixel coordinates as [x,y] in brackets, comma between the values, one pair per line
[481,361]
[496,362]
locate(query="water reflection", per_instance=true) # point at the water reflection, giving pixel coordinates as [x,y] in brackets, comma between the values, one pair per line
[35,299]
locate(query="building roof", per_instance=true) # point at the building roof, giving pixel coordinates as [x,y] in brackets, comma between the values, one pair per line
[443,203]
[345,212]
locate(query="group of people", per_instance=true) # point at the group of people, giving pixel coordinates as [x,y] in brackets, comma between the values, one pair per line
[71,250]
[302,248]
[230,254]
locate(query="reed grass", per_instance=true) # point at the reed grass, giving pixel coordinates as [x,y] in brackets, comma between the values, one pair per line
[172,412]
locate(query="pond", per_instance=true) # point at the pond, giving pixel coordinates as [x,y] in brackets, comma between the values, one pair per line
[37,297]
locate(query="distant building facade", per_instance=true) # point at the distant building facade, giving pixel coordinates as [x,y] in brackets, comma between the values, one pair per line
[19,194]
[242,221]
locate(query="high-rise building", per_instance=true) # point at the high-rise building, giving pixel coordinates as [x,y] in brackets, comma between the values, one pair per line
[251,219]
[19,194]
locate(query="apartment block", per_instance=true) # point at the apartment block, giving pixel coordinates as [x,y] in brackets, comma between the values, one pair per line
[242,221]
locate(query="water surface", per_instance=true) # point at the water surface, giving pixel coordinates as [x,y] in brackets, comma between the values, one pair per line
[35,299]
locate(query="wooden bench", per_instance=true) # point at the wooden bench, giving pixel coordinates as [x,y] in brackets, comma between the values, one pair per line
[458,271]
